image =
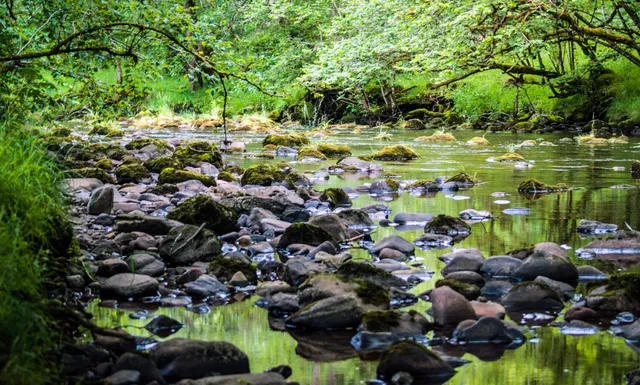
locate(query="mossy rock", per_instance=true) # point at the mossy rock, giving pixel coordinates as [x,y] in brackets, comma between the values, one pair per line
[371,293]
[442,137]
[225,268]
[463,178]
[635,169]
[397,152]
[377,321]
[393,184]
[444,224]
[424,184]
[591,140]
[535,186]
[510,157]
[116,153]
[527,126]
[104,164]
[194,152]
[203,209]
[627,282]
[288,140]
[54,143]
[115,133]
[233,168]
[423,114]
[92,172]
[227,177]
[160,163]
[469,291]
[415,359]
[413,124]
[163,189]
[368,272]
[131,160]
[139,143]
[310,152]
[262,155]
[99,129]
[173,176]
[60,132]
[336,197]
[478,141]
[306,234]
[132,173]
[270,147]
[262,175]
[334,150]
[297,179]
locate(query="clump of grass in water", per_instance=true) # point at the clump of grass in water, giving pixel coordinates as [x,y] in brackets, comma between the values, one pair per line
[31,199]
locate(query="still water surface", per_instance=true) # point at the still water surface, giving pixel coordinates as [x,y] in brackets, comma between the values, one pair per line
[549,357]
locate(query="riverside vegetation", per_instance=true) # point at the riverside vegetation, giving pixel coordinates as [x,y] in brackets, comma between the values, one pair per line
[281,193]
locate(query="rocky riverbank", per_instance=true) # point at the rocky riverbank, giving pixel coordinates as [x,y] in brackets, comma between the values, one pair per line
[176,224]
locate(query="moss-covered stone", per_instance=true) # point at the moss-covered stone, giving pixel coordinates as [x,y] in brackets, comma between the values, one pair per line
[115,133]
[478,141]
[336,197]
[131,160]
[444,224]
[413,124]
[270,147]
[233,168]
[262,155]
[173,176]
[440,137]
[92,172]
[203,209]
[393,184]
[163,189]
[116,152]
[397,152]
[139,143]
[415,359]
[60,132]
[535,186]
[463,178]
[160,163]
[334,150]
[469,291]
[104,164]
[622,139]
[227,177]
[626,282]
[424,184]
[510,157]
[523,127]
[262,175]
[225,268]
[297,179]
[368,272]
[194,152]
[132,173]
[377,321]
[589,139]
[635,169]
[371,294]
[310,152]
[99,129]
[288,140]
[306,234]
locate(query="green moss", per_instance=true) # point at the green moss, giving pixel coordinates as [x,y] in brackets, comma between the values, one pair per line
[311,153]
[533,186]
[629,283]
[99,129]
[379,321]
[192,153]
[469,291]
[510,157]
[163,189]
[104,164]
[92,172]
[131,160]
[393,184]
[227,177]
[372,294]
[132,173]
[524,127]
[397,152]
[463,178]
[262,175]
[225,268]
[173,176]
[160,163]
[478,140]
[234,169]
[262,155]
[270,147]
[335,197]
[423,114]
[413,124]
[439,137]
[288,140]
[362,271]
[139,143]
[304,233]
[203,209]
[115,133]
[116,153]
[334,150]
[445,222]
[425,184]
[60,132]
[296,179]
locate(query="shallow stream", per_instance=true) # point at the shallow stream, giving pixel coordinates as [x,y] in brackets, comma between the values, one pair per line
[548,357]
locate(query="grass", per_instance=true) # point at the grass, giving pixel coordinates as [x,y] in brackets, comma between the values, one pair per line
[31,199]
[626,100]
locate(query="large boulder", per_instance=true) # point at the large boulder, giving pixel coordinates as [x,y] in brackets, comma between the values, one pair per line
[129,223]
[306,234]
[332,224]
[187,244]
[462,260]
[203,209]
[369,272]
[101,201]
[500,266]
[129,286]
[488,330]
[546,264]
[532,296]
[355,218]
[446,225]
[181,358]
[145,264]
[320,286]
[337,312]
[449,307]
[413,358]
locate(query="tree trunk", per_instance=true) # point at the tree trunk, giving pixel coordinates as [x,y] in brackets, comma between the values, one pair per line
[192,68]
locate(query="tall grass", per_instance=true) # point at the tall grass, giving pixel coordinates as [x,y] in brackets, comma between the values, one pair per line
[31,204]
[626,99]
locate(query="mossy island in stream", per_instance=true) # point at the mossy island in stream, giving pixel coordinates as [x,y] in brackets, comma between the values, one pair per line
[262,175]
[310,152]
[132,173]
[397,152]
[437,137]
[334,150]
[535,186]
[202,209]
[510,157]
[336,197]
[160,163]
[424,185]
[287,140]
[464,179]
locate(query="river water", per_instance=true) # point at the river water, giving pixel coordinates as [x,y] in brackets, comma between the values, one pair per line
[548,357]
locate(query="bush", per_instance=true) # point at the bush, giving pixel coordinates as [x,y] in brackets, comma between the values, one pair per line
[32,209]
